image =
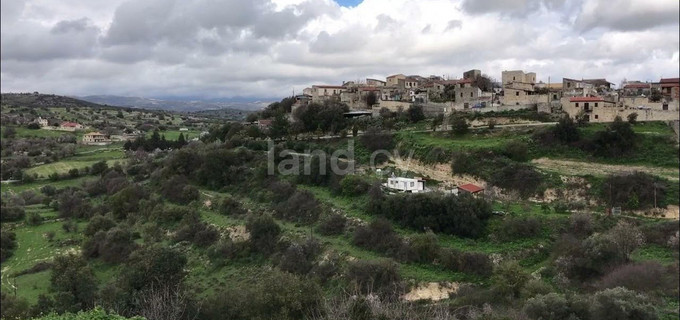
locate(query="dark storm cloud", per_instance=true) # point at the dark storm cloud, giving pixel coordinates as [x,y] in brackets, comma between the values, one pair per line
[628,15]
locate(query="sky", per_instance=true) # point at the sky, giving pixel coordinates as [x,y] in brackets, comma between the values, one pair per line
[256,49]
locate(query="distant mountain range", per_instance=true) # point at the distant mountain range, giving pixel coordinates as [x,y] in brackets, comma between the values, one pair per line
[173,105]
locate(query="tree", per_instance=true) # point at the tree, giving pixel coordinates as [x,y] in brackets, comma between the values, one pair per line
[437,121]
[483,82]
[370,99]
[566,130]
[8,242]
[632,118]
[509,278]
[458,125]
[153,266]
[264,233]
[415,113]
[73,283]
[622,304]
[616,140]
[280,126]
[656,96]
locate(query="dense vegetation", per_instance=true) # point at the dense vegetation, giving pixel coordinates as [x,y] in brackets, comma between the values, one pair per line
[204,231]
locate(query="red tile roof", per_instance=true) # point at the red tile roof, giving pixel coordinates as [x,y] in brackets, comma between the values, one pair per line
[585,99]
[69,124]
[670,80]
[471,188]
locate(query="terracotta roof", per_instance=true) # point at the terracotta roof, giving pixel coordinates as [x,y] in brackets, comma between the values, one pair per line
[471,188]
[585,99]
[669,80]
[69,124]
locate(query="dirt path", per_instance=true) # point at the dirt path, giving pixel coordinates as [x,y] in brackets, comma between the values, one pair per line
[569,167]
[440,172]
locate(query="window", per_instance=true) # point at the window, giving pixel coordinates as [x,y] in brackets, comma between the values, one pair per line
[471,95]
[596,116]
[513,78]
[586,105]
[577,104]
[596,104]
[461,94]
[411,184]
[517,93]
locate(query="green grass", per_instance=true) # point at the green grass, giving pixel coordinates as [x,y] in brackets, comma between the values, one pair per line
[33,247]
[174,134]
[23,132]
[63,167]
[36,185]
[652,252]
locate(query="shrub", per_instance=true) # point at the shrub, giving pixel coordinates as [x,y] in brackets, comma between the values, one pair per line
[648,276]
[616,140]
[555,306]
[177,189]
[518,228]
[458,125]
[581,224]
[273,295]
[34,219]
[264,233]
[227,249]
[229,206]
[98,223]
[10,214]
[194,230]
[467,262]
[519,177]
[153,266]
[425,247]
[462,215]
[72,204]
[73,283]
[379,236]
[8,242]
[644,188]
[415,113]
[373,275]
[509,278]
[299,258]
[621,303]
[353,185]
[333,224]
[301,207]
[517,151]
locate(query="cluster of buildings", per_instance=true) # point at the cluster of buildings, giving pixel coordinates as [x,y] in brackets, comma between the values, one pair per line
[595,100]
[417,185]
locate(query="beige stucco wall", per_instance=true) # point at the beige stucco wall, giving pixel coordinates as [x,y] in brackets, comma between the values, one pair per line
[510,98]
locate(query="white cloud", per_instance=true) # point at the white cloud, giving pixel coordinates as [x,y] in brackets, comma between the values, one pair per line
[224,48]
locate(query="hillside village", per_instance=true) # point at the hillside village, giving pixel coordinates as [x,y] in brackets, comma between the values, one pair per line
[593,100]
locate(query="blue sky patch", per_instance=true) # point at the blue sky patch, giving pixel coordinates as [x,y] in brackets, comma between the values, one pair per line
[348,3]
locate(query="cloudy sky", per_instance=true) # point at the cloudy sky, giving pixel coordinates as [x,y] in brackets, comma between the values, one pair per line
[268,48]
